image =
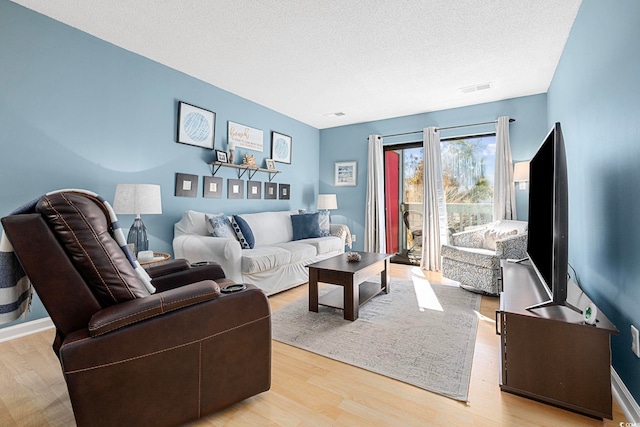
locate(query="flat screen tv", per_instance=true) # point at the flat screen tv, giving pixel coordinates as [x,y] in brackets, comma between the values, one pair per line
[548,243]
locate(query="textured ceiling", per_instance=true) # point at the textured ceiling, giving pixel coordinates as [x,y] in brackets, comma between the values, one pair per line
[370,59]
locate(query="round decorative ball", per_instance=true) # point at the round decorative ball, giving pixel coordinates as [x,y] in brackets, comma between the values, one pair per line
[353,257]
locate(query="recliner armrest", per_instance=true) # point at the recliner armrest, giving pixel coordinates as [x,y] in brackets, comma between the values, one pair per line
[139,309]
[166,267]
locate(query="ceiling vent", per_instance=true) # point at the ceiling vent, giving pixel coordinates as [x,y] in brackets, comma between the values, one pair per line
[338,114]
[476,88]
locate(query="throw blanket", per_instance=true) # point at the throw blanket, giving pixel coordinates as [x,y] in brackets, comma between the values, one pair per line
[15,286]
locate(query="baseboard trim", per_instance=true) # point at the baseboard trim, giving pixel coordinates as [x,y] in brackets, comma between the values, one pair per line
[625,399]
[26,328]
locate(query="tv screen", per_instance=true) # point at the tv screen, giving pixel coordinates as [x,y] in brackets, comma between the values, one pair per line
[547,243]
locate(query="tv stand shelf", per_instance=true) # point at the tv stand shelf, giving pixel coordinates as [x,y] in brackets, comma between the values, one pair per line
[549,354]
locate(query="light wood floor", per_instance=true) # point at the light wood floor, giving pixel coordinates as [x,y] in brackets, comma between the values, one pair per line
[307,389]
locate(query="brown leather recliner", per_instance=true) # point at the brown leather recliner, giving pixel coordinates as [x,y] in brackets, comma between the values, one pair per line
[130,358]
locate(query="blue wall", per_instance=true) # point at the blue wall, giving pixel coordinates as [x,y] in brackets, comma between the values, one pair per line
[348,143]
[78,112]
[594,94]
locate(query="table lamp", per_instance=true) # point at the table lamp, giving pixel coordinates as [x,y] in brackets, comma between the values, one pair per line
[327,201]
[138,199]
[521,174]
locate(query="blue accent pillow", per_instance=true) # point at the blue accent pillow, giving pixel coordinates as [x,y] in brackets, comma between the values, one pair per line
[218,225]
[243,232]
[305,226]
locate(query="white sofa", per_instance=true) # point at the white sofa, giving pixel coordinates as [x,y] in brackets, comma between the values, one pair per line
[276,262]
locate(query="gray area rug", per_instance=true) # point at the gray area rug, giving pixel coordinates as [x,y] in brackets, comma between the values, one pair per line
[421,334]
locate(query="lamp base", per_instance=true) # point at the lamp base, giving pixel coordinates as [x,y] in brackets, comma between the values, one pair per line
[138,236]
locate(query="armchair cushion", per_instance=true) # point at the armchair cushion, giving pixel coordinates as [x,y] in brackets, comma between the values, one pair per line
[82,227]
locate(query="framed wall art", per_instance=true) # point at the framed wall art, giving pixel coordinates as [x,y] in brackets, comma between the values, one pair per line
[271,165]
[186,185]
[281,147]
[284,191]
[221,156]
[270,190]
[241,136]
[196,126]
[212,187]
[235,189]
[345,174]
[254,190]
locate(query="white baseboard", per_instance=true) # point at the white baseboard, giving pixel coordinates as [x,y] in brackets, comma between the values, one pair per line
[625,399]
[25,328]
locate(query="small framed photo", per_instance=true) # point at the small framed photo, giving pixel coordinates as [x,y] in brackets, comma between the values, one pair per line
[221,156]
[186,185]
[254,190]
[271,165]
[196,126]
[270,190]
[345,174]
[212,187]
[235,189]
[284,191]
[280,147]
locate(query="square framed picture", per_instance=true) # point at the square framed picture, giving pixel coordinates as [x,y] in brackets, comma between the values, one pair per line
[254,190]
[196,126]
[212,187]
[284,191]
[235,189]
[345,174]
[281,147]
[221,156]
[271,165]
[270,190]
[186,185]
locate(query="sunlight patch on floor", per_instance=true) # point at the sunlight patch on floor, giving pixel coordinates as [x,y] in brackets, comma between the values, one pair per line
[427,299]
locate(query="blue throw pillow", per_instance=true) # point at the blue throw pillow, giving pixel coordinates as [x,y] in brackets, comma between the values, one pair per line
[305,226]
[243,232]
[219,225]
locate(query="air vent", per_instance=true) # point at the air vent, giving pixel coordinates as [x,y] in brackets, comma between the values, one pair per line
[338,114]
[475,88]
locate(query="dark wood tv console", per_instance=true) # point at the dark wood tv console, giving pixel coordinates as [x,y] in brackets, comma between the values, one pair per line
[550,354]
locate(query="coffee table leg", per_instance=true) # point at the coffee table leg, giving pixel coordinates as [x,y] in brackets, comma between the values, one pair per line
[313,289]
[384,277]
[351,300]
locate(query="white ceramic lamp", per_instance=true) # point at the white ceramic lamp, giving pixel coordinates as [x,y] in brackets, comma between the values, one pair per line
[521,174]
[327,202]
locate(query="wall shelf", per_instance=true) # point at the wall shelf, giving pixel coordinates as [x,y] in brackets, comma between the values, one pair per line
[242,169]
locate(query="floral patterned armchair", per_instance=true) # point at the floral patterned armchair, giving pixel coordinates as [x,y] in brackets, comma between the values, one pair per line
[473,257]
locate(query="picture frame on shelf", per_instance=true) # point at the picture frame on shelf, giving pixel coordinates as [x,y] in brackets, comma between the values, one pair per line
[221,156]
[281,147]
[271,165]
[254,190]
[284,191]
[270,191]
[235,189]
[212,187]
[196,126]
[186,185]
[346,174]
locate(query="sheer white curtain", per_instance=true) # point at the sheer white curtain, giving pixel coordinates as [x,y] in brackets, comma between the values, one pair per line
[374,221]
[504,197]
[434,226]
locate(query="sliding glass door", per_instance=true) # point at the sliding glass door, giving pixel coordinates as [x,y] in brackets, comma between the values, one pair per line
[468,168]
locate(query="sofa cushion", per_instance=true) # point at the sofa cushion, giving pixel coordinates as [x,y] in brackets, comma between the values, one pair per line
[325,244]
[305,226]
[243,232]
[219,225]
[270,227]
[475,256]
[299,251]
[264,258]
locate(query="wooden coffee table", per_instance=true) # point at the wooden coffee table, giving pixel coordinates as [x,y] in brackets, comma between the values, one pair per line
[351,276]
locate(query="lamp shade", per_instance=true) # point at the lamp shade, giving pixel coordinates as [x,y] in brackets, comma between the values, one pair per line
[137,199]
[327,201]
[521,172]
